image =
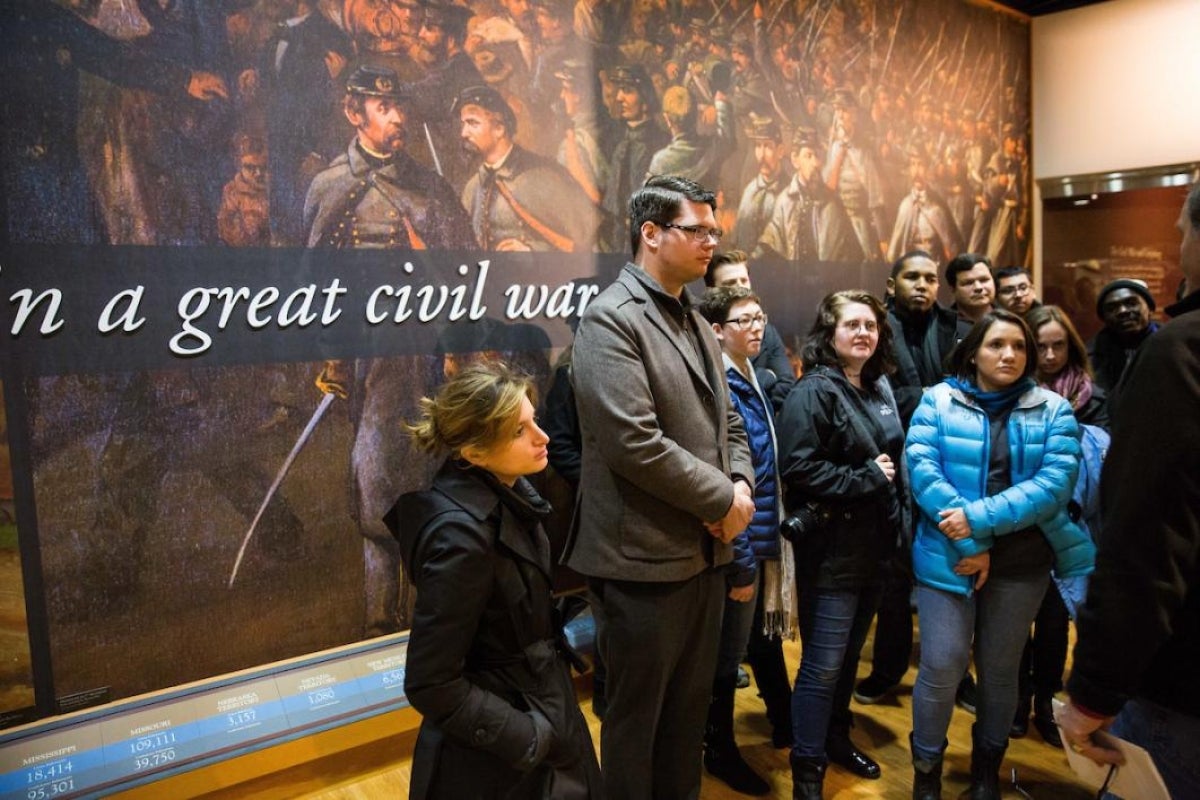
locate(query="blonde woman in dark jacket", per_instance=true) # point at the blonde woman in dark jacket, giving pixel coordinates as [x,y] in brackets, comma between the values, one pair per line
[485,663]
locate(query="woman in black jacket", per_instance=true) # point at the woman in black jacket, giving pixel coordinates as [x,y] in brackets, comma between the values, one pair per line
[485,662]
[1063,367]
[840,444]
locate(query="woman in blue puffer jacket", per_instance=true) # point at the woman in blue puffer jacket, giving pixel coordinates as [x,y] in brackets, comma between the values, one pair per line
[993,459]
[760,605]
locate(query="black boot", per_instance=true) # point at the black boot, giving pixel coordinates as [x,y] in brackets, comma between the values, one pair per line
[808,778]
[1020,725]
[1043,720]
[927,775]
[985,769]
[841,751]
[721,756]
[770,672]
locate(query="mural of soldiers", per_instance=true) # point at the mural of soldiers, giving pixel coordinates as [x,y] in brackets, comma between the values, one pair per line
[583,149]
[46,47]
[809,223]
[243,218]
[750,90]
[689,154]
[384,33]
[556,43]
[298,80]
[515,25]
[640,138]
[852,172]
[923,221]
[376,195]
[517,200]
[1001,210]
[450,70]
[757,202]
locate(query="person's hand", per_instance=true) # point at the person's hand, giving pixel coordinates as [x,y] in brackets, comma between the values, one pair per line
[887,466]
[335,62]
[954,523]
[334,379]
[741,594]
[977,565]
[739,514]
[207,86]
[1077,729]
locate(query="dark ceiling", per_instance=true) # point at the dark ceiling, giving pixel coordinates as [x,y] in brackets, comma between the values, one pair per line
[1036,8]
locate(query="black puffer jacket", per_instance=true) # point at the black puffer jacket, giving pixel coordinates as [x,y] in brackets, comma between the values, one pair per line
[827,457]
[483,654]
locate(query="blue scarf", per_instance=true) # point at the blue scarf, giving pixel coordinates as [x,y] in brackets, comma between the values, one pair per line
[994,403]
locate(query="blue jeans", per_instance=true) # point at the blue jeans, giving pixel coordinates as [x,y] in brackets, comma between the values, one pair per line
[997,618]
[1172,738]
[833,627]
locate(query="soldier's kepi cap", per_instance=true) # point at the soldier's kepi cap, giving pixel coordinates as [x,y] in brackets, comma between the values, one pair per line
[486,98]
[631,75]
[805,137]
[374,82]
[763,129]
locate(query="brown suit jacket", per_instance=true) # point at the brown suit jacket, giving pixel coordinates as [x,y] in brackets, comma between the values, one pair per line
[661,440]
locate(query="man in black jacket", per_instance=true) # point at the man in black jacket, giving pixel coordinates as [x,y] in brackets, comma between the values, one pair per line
[923,334]
[1139,631]
[1124,305]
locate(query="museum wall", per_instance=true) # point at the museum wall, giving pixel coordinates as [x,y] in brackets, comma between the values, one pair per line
[215,312]
[1116,86]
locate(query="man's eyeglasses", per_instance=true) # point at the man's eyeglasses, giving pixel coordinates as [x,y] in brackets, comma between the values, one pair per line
[747,322]
[699,233]
[1013,291]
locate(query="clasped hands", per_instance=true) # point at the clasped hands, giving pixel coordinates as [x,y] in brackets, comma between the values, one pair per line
[740,512]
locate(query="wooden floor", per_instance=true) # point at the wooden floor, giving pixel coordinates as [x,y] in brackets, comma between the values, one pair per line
[381,769]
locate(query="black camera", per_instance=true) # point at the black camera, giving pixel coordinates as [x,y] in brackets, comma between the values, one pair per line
[804,521]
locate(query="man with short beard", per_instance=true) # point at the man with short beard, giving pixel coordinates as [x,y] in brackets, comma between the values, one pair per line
[517,200]
[376,195]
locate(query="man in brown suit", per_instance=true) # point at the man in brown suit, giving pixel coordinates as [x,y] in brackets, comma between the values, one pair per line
[668,484]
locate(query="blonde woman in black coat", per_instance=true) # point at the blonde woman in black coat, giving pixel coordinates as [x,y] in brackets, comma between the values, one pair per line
[485,663]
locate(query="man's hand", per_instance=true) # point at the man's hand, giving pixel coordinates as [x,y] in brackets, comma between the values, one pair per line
[977,565]
[887,466]
[739,514]
[207,86]
[1077,729]
[954,523]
